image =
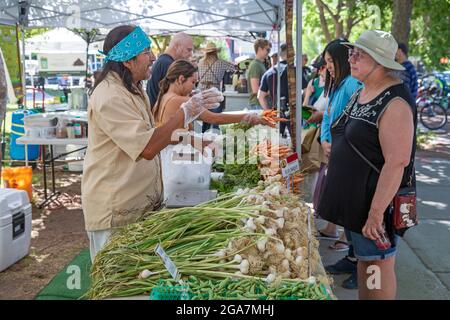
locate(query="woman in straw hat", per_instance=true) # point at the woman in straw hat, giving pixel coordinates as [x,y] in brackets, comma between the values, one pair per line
[211,71]
[378,124]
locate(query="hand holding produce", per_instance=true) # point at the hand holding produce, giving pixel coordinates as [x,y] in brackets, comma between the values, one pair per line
[254,119]
[271,116]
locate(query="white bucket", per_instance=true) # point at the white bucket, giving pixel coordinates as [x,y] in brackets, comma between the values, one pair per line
[76,166]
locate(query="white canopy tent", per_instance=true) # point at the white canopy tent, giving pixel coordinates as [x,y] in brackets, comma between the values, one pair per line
[58,40]
[234,18]
[156,16]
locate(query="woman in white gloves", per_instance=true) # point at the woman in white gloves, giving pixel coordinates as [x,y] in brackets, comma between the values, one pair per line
[174,93]
[175,89]
[122,167]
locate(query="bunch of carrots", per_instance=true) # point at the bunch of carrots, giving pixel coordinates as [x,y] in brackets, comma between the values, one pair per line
[271,116]
[270,156]
[270,152]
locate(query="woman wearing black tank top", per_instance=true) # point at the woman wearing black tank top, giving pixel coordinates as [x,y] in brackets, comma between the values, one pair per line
[379,122]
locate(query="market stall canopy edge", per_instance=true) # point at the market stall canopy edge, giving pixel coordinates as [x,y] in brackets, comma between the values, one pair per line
[154,16]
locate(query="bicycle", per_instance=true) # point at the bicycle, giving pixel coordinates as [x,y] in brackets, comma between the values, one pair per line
[432,111]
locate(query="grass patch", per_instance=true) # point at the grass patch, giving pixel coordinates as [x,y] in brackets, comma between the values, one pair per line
[424,139]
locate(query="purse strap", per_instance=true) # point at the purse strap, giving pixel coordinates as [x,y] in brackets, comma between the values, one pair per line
[359,153]
[207,70]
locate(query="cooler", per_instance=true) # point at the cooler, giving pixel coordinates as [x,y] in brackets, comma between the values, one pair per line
[15,226]
[17,152]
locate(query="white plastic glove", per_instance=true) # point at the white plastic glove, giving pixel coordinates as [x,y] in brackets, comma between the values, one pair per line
[198,103]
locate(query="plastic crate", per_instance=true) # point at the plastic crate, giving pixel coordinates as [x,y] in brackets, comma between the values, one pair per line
[167,292]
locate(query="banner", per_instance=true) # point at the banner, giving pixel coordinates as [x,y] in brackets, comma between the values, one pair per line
[9,46]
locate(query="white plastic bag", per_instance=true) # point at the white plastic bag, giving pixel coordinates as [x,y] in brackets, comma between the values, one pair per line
[180,173]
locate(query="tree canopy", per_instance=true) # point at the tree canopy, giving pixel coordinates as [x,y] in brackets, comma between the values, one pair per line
[428,38]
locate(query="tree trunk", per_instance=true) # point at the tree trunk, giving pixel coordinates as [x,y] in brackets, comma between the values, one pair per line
[289,17]
[401,20]
[323,21]
[339,30]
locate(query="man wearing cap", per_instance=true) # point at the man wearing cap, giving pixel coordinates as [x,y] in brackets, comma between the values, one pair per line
[180,47]
[409,76]
[122,169]
[372,156]
[211,71]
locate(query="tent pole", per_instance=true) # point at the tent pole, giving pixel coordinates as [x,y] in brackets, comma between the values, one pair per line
[88,39]
[298,58]
[24,85]
[278,24]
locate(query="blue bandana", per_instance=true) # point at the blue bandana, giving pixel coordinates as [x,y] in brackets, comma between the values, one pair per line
[128,47]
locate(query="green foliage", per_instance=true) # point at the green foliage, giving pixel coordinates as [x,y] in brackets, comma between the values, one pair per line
[430,26]
[161,42]
[223,53]
[198,41]
[424,138]
[8,44]
[430,32]
[237,175]
[34,32]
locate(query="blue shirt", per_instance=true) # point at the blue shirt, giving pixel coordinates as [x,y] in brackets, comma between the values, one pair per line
[409,77]
[159,71]
[337,102]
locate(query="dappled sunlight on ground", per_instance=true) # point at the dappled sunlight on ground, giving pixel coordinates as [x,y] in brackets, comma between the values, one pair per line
[432,171]
[436,205]
[38,257]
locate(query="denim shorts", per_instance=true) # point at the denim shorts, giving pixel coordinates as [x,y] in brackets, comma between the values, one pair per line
[366,249]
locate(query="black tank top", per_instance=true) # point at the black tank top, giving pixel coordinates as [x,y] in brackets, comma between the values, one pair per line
[350,183]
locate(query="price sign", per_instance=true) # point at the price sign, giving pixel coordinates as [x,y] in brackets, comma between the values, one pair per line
[290,165]
[168,263]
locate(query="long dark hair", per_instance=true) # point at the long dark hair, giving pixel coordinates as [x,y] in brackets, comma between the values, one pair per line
[339,54]
[178,68]
[113,38]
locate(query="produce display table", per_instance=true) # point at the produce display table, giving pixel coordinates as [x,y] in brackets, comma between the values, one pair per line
[235,101]
[50,142]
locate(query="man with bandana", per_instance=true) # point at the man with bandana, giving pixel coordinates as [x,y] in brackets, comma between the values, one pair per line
[122,169]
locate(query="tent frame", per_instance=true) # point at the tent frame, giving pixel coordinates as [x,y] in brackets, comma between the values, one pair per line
[23,22]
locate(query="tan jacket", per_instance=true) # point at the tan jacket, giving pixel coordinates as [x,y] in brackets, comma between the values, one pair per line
[118,185]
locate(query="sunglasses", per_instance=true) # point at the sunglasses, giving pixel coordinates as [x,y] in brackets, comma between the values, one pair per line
[357,55]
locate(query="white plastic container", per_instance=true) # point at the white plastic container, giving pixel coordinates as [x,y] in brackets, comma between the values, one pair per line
[15,226]
[76,166]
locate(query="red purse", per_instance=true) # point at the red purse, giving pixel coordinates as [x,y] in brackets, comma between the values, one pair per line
[404,211]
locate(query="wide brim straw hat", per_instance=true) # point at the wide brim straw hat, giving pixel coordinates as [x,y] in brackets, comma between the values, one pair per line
[380,45]
[210,47]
